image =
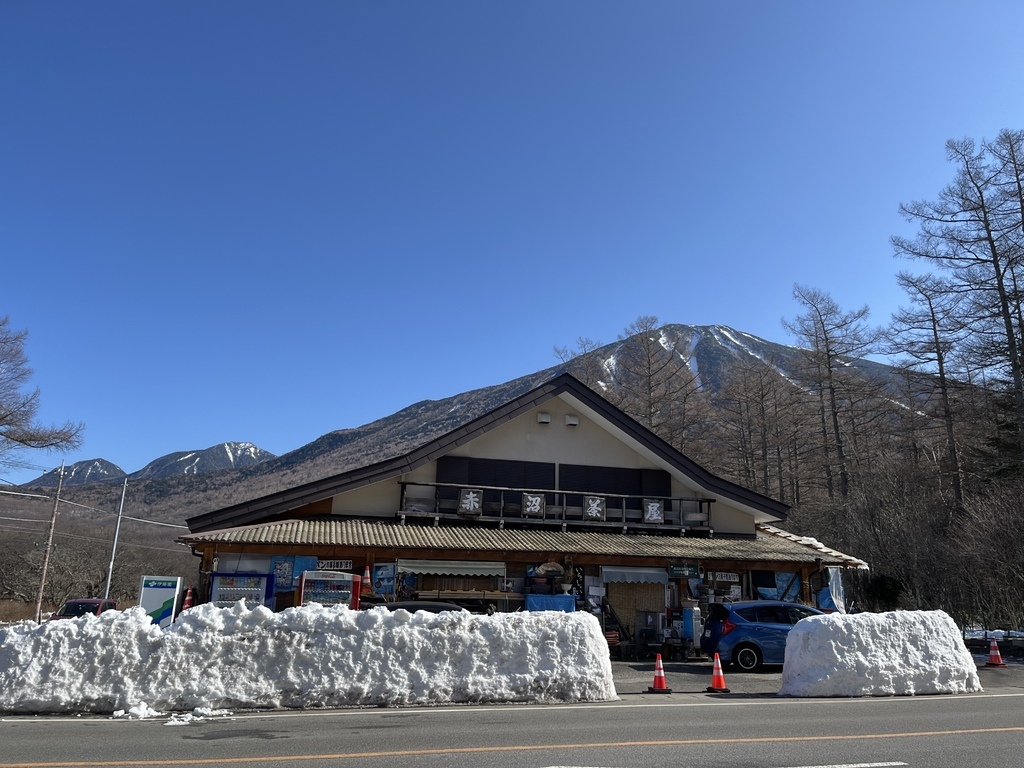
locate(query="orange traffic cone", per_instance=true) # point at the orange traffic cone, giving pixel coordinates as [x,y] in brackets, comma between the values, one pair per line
[367,587]
[660,686]
[717,678]
[995,659]
[189,597]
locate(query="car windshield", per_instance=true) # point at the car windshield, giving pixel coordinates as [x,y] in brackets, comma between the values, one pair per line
[77,609]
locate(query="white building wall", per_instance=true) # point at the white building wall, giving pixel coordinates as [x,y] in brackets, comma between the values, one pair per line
[527,439]
[378,500]
[726,519]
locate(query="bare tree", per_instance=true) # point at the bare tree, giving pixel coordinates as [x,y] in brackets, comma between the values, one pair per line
[927,333]
[18,407]
[654,384]
[975,233]
[761,427]
[831,338]
[584,362]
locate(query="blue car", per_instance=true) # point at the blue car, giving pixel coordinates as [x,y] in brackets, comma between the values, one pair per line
[752,633]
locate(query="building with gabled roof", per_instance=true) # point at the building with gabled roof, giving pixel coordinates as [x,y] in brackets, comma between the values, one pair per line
[553,498]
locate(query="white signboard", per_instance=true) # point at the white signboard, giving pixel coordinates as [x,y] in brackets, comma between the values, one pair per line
[158,595]
[725,576]
[334,565]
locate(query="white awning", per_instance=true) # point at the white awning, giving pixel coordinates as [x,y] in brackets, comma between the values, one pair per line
[633,575]
[453,567]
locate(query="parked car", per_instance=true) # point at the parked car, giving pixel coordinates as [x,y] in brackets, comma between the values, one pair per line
[750,634]
[85,606]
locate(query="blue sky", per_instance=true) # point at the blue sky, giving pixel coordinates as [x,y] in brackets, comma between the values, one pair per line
[263,221]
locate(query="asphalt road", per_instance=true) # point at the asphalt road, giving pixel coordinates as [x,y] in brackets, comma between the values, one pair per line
[746,728]
[694,677]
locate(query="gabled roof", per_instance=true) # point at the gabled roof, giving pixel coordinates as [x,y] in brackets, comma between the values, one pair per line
[276,504]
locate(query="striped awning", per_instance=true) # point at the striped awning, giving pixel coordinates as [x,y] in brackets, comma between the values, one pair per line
[633,574]
[452,567]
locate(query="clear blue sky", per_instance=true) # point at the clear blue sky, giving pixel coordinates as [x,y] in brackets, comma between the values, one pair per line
[264,221]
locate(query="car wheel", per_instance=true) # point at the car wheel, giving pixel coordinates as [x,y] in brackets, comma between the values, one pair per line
[747,658]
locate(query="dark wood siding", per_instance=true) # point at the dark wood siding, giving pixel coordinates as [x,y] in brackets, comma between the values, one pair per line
[638,483]
[466,471]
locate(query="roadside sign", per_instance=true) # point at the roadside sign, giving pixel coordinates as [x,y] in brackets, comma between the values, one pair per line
[158,595]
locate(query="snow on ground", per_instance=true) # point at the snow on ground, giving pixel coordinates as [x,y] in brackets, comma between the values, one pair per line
[901,653]
[214,659]
[120,662]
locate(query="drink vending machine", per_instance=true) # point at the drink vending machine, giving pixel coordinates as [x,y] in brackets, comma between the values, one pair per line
[255,589]
[330,588]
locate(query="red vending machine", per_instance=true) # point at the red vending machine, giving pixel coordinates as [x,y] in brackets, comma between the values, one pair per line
[330,588]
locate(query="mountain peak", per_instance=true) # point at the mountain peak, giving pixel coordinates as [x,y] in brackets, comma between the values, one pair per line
[230,455]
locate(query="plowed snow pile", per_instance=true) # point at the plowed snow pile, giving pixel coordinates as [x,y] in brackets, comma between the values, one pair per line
[301,657]
[901,653]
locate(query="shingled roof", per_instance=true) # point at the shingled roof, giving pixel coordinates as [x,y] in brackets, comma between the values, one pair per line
[768,546]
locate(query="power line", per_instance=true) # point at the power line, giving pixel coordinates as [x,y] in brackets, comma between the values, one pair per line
[126,517]
[93,509]
[18,530]
[154,522]
[26,495]
[87,538]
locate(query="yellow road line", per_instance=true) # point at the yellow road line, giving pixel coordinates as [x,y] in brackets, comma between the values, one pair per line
[516,748]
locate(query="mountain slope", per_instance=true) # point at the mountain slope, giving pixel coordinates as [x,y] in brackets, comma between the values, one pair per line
[185,484]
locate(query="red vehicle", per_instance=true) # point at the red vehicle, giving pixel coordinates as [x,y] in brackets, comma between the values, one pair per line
[86,606]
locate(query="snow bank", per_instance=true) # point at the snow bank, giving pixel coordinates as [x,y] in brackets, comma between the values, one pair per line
[902,653]
[302,657]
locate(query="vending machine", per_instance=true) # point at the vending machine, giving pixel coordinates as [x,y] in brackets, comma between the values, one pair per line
[255,589]
[330,588]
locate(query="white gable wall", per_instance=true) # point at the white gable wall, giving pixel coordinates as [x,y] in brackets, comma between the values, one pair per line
[377,500]
[526,439]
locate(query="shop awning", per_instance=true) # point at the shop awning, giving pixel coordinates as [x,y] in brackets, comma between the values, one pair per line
[453,567]
[633,575]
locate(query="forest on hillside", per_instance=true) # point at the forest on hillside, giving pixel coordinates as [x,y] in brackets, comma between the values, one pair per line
[919,474]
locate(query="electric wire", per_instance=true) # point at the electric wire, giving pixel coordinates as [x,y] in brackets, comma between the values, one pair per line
[88,538]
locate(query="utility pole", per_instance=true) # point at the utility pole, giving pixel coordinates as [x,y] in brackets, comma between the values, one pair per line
[117,529]
[49,545]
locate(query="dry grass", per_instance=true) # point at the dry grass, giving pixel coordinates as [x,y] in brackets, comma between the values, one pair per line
[16,610]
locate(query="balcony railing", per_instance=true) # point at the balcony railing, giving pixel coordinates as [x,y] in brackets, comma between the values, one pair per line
[579,509]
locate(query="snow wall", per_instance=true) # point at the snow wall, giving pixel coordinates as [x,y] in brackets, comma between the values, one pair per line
[302,657]
[901,653]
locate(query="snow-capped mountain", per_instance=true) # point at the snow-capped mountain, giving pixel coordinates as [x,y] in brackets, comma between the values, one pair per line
[83,473]
[178,464]
[214,459]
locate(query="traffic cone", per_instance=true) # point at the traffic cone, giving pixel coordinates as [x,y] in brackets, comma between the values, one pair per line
[717,678]
[660,686]
[189,597]
[995,659]
[367,586]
